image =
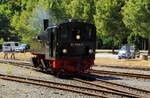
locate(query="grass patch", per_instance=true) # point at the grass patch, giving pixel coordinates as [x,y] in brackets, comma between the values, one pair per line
[122,62]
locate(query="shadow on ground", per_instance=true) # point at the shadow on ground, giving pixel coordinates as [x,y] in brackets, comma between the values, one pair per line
[92,77]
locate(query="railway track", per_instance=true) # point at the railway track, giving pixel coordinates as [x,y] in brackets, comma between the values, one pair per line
[26,65]
[125,67]
[61,86]
[110,85]
[108,91]
[29,66]
[120,74]
[19,63]
[68,87]
[120,92]
[124,86]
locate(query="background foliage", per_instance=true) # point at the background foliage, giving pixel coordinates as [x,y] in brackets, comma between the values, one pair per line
[118,21]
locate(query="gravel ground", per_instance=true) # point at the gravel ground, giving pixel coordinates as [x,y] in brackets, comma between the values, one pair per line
[20,90]
[139,83]
[14,90]
[9,89]
[128,82]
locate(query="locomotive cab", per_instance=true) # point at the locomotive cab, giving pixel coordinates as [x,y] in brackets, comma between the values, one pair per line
[77,40]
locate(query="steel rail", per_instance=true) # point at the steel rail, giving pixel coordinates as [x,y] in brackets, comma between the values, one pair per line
[47,84]
[120,74]
[19,64]
[109,88]
[92,89]
[29,66]
[125,67]
[129,94]
[121,85]
[16,63]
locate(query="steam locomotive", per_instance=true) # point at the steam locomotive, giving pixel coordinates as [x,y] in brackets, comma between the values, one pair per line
[69,48]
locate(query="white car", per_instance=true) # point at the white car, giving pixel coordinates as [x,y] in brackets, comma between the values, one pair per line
[9,46]
[126,52]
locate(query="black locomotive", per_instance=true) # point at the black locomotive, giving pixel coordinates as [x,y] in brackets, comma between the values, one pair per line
[70,48]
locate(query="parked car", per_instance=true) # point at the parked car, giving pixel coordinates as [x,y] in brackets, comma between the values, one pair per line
[127,52]
[22,48]
[9,46]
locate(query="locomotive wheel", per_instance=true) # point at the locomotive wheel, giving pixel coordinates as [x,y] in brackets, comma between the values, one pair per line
[60,73]
[35,62]
[57,72]
[39,65]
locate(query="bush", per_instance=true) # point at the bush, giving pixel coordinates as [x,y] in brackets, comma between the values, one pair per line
[1,42]
[37,46]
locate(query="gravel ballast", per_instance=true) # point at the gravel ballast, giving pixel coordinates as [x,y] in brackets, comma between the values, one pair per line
[134,82]
[9,89]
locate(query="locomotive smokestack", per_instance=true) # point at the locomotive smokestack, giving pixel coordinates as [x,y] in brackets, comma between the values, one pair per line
[43,35]
[45,22]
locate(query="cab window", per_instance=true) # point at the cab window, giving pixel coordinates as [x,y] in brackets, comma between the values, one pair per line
[76,34]
[64,33]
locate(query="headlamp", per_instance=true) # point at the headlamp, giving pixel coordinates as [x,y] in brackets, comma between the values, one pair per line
[64,51]
[91,51]
[77,37]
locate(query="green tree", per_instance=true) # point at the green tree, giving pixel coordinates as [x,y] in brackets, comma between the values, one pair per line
[4,21]
[1,41]
[21,20]
[108,20]
[29,22]
[136,15]
[83,9]
[7,9]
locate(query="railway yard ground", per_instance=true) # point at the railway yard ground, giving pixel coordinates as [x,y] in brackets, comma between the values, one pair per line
[105,84]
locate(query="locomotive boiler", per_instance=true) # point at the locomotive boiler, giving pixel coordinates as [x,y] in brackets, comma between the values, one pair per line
[69,48]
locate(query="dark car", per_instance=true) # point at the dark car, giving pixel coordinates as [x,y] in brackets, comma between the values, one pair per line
[22,48]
